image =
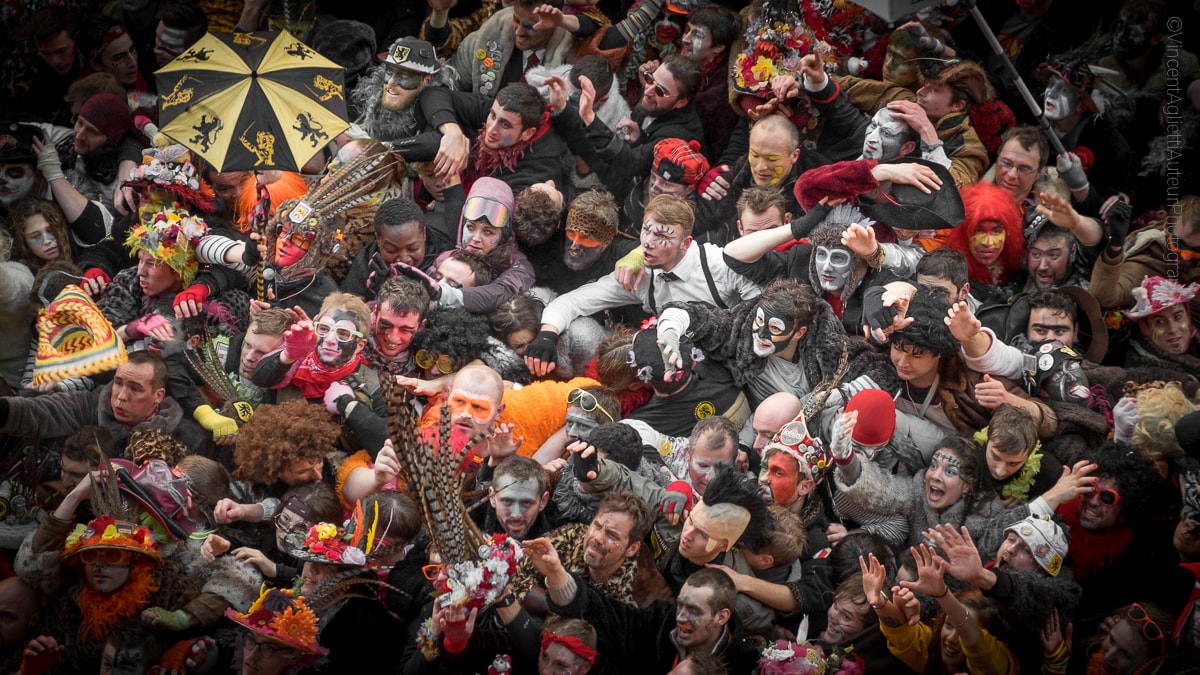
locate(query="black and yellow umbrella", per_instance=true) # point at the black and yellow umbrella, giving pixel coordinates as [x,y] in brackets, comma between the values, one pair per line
[252,101]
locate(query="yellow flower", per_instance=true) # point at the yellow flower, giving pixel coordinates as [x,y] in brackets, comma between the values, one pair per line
[326,531]
[110,532]
[764,69]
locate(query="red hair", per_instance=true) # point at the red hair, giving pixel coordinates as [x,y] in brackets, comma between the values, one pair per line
[984,202]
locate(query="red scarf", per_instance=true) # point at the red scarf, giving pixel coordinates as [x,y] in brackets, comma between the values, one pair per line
[487,162]
[1090,553]
[313,377]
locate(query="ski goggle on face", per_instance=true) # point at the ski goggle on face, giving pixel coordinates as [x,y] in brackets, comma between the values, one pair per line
[487,209]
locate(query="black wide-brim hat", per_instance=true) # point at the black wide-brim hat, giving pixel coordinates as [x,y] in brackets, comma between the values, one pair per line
[909,208]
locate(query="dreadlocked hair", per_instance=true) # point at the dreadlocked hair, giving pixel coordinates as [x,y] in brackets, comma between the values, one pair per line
[928,331]
[730,486]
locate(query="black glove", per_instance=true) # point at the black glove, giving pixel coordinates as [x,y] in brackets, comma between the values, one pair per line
[378,271]
[582,466]
[874,314]
[431,285]
[250,256]
[1117,220]
[803,225]
[544,347]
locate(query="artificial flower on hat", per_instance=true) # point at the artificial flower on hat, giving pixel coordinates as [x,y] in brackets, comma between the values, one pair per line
[281,616]
[784,657]
[170,236]
[1158,293]
[326,544]
[108,532]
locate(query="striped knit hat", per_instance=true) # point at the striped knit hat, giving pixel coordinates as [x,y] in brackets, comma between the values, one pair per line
[74,339]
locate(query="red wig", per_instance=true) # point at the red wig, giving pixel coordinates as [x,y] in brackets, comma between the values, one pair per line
[983,202]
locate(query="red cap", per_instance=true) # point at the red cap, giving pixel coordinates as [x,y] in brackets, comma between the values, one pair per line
[679,161]
[876,417]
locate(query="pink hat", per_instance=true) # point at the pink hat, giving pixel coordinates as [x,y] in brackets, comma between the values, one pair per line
[1156,294]
[876,417]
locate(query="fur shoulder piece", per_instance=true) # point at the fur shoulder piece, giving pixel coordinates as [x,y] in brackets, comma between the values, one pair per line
[40,570]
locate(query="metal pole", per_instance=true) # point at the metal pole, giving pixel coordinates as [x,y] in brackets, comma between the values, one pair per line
[1036,109]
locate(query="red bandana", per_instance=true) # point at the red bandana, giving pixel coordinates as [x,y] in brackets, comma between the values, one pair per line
[570,642]
[314,377]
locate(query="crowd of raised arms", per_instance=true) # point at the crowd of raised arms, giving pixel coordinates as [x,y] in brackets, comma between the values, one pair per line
[692,336]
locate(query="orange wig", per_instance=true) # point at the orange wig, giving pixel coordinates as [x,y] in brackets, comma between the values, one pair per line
[289,186]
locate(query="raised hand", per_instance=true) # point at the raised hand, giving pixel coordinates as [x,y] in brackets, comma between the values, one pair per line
[842,443]
[930,573]
[501,443]
[299,341]
[584,460]
[387,464]
[543,557]
[963,324]
[1125,419]
[961,558]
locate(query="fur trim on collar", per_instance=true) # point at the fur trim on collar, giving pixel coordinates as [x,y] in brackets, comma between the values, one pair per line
[487,162]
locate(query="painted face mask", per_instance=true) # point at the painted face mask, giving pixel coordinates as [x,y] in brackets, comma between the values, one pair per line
[292,245]
[771,331]
[833,265]
[479,409]
[782,477]
[885,136]
[988,243]
[582,252]
[666,31]
[1060,100]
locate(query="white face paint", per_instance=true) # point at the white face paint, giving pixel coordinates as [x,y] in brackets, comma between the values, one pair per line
[16,183]
[771,331]
[885,136]
[833,264]
[1060,99]
[517,504]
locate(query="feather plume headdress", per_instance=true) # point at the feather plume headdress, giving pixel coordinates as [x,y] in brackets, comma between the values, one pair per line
[316,215]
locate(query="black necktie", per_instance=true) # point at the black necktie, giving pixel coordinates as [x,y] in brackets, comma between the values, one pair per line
[668,276]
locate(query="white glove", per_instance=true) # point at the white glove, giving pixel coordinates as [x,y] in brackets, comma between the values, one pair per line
[842,445]
[1070,169]
[48,162]
[1125,418]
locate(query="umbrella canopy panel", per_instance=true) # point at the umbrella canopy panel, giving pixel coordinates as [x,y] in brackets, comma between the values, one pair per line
[252,101]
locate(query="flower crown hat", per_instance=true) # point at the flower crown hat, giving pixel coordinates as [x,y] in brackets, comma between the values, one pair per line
[106,532]
[326,544]
[1158,293]
[170,236]
[282,617]
[168,169]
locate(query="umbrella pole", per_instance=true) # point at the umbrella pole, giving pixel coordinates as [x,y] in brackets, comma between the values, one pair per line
[261,208]
[1037,110]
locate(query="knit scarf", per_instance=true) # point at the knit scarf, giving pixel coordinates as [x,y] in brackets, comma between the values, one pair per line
[487,162]
[314,377]
[1091,553]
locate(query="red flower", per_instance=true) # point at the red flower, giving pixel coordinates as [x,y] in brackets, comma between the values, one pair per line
[333,555]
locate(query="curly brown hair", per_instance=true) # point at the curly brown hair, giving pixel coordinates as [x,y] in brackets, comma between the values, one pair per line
[277,436]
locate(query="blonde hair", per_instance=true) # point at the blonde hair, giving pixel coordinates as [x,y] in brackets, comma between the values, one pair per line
[350,303]
[1159,408]
[671,210]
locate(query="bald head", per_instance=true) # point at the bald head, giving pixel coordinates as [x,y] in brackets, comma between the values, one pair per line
[778,126]
[19,605]
[775,411]
[476,399]
[480,378]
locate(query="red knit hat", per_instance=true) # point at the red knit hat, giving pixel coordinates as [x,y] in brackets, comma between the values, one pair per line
[109,113]
[876,417]
[679,161]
